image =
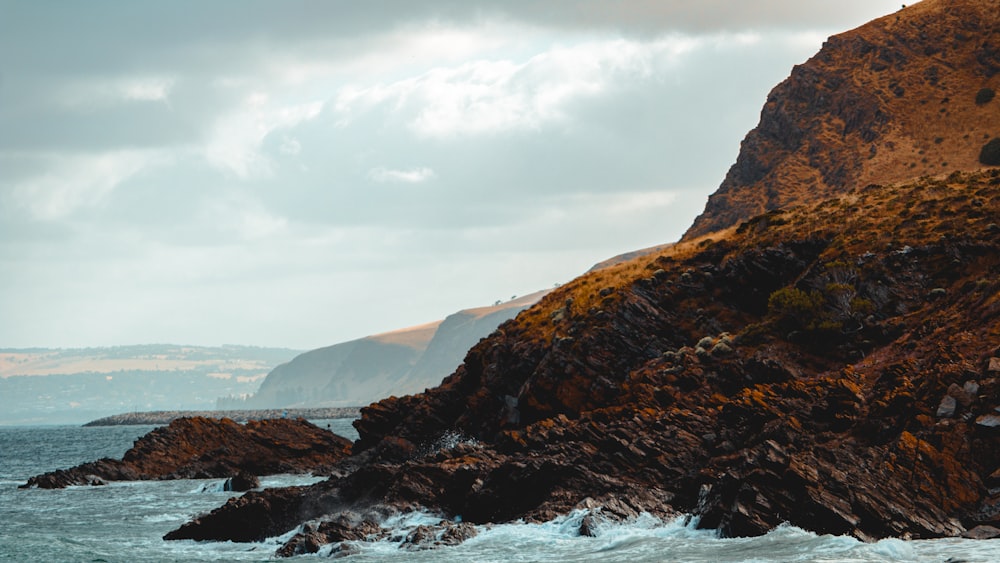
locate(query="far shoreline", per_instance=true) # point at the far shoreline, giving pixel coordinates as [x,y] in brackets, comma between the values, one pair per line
[242,415]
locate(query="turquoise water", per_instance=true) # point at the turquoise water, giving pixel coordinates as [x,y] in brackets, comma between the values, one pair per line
[124,522]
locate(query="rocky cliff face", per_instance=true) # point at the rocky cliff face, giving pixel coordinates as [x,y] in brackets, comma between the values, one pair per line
[892,100]
[831,363]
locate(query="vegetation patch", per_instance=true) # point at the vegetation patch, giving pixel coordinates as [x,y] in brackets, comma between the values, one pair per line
[984,96]
[990,154]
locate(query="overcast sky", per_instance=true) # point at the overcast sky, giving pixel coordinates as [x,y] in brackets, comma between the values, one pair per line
[301,173]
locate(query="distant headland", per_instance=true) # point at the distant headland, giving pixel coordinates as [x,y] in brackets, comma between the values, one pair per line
[165,417]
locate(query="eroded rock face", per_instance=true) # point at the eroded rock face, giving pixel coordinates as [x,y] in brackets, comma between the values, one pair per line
[611,393]
[889,101]
[199,448]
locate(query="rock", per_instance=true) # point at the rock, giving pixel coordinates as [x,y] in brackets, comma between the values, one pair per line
[721,349]
[442,535]
[200,448]
[345,549]
[982,533]
[346,526]
[947,407]
[993,480]
[589,525]
[965,394]
[993,366]
[988,420]
[242,482]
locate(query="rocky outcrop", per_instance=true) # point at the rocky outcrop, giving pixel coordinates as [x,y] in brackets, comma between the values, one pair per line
[200,448]
[791,371]
[892,100]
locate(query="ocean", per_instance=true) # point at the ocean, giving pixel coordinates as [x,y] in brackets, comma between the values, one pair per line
[125,521]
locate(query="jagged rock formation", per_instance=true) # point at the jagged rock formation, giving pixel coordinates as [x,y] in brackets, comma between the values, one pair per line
[892,100]
[832,363]
[200,448]
[394,363]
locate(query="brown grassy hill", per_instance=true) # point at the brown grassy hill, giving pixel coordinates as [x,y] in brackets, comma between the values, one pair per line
[360,371]
[891,100]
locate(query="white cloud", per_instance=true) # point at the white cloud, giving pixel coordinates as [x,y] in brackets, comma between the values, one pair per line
[147,89]
[235,140]
[102,92]
[409,176]
[74,182]
[491,96]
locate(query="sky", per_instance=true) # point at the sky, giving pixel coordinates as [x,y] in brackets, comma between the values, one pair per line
[302,173]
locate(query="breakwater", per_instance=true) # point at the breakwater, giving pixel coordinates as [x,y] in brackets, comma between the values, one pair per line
[165,417]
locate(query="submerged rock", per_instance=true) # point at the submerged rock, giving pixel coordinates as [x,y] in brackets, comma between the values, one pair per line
[242,482]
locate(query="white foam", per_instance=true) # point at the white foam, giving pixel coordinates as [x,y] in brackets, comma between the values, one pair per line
[896,549]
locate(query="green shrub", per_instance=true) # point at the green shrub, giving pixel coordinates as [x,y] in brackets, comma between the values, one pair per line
[794,309]
[990,155]
[984,96]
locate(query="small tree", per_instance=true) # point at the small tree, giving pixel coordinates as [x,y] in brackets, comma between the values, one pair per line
[794,309]
[984,96]
[990,155]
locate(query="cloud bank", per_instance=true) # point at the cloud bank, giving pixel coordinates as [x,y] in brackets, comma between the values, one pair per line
[302,173]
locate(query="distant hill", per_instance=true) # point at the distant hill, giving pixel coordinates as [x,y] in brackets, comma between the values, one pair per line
[42,385]
[365,370]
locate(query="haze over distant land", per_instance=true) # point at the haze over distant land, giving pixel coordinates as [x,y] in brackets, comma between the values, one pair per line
[294,174]
[64,386]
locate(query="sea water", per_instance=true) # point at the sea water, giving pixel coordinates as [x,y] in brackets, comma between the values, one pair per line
[125,522]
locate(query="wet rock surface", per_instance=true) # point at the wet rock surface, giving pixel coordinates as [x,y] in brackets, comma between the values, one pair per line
[200,448]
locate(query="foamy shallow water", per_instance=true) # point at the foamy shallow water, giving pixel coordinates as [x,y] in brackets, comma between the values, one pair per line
[124,522]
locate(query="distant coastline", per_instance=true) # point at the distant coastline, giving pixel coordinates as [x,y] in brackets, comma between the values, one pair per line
[165,417]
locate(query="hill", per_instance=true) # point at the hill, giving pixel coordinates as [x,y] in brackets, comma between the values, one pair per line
[819,349]
[362,371]
[58,386]
[904,96]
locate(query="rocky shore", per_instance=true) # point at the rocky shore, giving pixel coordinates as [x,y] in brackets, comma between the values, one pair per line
[712,380]
[200,448]
[166,417]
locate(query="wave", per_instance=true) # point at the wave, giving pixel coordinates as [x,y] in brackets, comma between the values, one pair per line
[647,539]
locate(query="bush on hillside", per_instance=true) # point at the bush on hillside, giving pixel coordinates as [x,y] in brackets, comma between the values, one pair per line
[794,309]
[985,95]
[990,155]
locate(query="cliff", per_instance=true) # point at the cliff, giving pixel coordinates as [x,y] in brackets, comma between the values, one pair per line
[820,349]
[368,369]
